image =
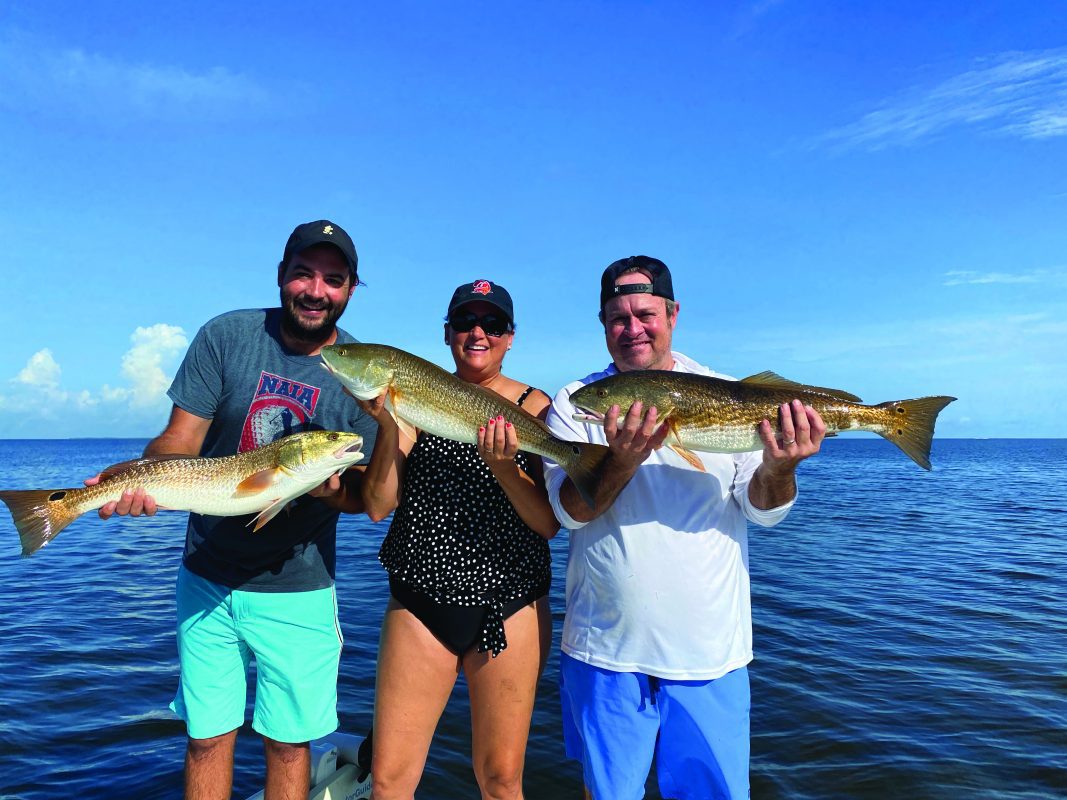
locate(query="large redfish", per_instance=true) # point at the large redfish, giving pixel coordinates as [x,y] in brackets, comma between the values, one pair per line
[422,395]
[263,480]
[722,416]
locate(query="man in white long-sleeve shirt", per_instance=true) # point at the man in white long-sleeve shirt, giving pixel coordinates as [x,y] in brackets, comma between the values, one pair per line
[658,630]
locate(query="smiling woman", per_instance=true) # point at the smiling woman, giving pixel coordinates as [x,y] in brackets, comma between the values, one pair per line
[469,567]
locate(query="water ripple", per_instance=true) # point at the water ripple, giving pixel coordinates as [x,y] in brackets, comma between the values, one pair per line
[909,628]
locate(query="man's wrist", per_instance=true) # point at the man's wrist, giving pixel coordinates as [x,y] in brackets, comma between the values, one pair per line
[778,474]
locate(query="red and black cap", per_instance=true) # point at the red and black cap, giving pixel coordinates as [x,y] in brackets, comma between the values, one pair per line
[661,285]
[486,291]
[322,231]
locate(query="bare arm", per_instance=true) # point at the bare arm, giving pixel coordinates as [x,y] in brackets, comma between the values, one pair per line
[184,435]
[774,483]
[497,445]
[380,487]
[630,442]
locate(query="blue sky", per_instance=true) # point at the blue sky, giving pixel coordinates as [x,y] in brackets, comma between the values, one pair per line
[865,196]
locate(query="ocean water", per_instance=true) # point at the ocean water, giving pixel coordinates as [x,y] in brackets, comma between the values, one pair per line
[910,632]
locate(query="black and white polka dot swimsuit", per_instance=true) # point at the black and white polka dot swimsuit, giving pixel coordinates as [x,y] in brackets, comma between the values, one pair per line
[456,541]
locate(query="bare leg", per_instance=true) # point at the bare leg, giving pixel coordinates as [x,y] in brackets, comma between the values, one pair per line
[288,770]
[416,674]
[502,693]
[209,767]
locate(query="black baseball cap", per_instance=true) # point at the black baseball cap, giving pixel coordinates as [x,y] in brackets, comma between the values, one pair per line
[322,231]
[487,292]
[661,285]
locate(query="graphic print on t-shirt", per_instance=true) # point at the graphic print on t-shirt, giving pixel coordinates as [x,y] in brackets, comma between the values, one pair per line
[280,407]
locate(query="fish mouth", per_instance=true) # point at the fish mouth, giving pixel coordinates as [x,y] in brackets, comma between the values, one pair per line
[349,449]
[587,415]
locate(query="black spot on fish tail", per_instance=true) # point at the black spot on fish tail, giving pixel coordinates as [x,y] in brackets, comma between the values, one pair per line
[38,517]
[914,431]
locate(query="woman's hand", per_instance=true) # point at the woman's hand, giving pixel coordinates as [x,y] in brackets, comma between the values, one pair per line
[497,442]
[377,411]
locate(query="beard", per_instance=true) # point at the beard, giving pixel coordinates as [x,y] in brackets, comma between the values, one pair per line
[305,330]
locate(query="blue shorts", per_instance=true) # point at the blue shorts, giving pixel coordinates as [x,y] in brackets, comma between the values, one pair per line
[296,641]
[698,731]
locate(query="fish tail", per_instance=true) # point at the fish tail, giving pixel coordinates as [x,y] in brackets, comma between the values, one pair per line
[584,469]
[911,427]
[39,515]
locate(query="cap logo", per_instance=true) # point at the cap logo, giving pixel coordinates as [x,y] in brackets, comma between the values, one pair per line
[328,230]
[482,287]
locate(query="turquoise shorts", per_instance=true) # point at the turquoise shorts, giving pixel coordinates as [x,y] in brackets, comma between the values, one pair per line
[295,639]
[614,723]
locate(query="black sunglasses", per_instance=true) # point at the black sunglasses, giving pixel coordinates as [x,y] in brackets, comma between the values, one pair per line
[491,324]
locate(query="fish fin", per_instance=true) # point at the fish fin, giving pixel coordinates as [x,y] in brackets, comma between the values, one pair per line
[584,468]
[269,513]
[39,515]
[776,381]
[913,426]
[685,453]
[406,428]
[689,456]
[258,482]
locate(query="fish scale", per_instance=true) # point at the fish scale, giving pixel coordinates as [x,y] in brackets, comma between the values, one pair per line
[730,425]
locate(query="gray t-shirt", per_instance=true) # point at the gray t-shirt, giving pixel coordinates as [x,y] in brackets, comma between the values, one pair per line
[239,375]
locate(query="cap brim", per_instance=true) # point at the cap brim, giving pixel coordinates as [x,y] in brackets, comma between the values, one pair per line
[488,300]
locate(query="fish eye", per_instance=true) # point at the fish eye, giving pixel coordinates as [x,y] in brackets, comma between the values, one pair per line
[332,436]
[601,392]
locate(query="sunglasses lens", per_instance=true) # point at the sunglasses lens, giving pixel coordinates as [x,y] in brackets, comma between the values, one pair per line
[491,324]
[462,323]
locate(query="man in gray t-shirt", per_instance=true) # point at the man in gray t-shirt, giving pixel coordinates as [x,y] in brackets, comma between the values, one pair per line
[249,378]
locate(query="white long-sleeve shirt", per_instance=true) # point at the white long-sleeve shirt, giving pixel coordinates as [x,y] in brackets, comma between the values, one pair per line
[659,582]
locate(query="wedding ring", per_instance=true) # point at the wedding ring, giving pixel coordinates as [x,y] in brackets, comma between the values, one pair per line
[790,441]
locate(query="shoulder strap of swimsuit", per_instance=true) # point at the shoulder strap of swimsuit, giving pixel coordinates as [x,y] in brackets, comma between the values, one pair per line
[524,395]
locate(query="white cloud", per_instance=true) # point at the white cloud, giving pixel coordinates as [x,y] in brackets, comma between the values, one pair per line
[36,75]
[1012,94]
[142,364]
[41,371]
[963,277]
[747,16]
[969,277]
[932,344]
[37,390]
[113,394]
